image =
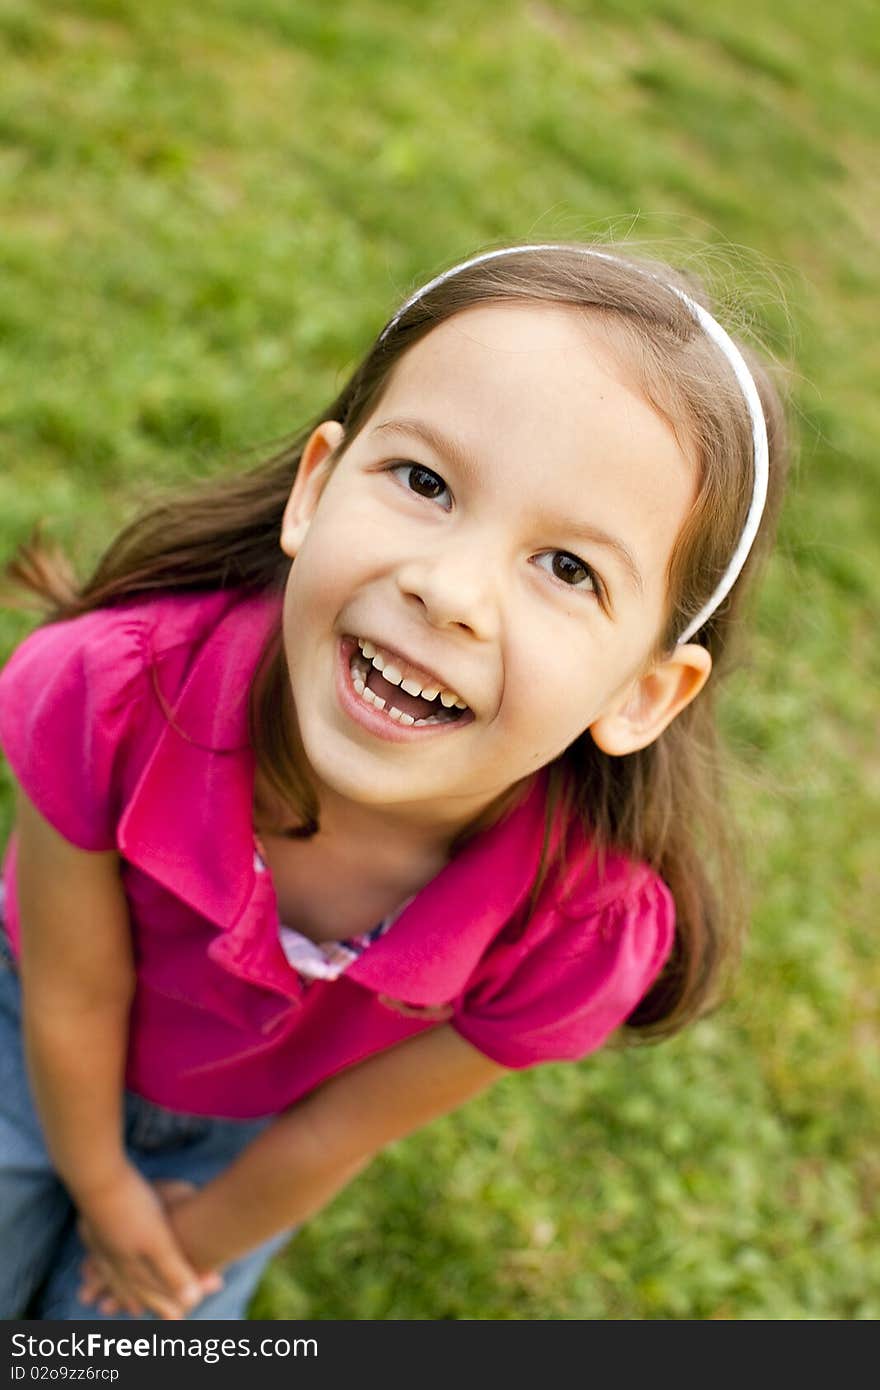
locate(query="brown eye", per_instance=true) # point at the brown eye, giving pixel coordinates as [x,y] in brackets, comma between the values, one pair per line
[570,570]
[420,480]
[426,483]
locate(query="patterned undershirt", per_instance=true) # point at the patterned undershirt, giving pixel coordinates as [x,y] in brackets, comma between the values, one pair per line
[322,960]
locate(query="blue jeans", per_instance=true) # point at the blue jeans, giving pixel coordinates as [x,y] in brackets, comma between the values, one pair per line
[40,1252]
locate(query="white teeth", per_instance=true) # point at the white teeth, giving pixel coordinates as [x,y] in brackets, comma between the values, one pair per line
[394,675]
[366,694]
[449,698]
[370,698]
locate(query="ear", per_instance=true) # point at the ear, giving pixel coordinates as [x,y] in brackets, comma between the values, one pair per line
[311,476]
[651,702]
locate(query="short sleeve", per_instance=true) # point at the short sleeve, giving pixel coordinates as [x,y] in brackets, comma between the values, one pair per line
[69,700]
[561,996]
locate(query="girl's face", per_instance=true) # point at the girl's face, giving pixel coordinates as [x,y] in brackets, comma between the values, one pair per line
[500,528]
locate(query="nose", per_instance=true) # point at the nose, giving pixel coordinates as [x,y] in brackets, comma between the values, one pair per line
[454,589]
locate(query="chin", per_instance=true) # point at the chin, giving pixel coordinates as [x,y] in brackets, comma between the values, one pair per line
[347,774]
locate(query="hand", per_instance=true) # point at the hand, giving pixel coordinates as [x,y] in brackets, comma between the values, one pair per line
[134,1259]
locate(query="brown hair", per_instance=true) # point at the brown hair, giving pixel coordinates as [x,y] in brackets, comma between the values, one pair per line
[663,804]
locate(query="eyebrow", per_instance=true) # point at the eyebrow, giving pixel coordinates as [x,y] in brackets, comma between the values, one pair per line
[447,447]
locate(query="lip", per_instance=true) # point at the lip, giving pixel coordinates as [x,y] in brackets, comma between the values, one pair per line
[376,721]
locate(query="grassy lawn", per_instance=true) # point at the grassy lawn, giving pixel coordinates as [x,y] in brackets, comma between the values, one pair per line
[207,212]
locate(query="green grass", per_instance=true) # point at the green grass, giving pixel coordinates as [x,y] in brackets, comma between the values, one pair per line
[208,212]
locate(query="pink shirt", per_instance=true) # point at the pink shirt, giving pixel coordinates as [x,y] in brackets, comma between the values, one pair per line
[222,1024]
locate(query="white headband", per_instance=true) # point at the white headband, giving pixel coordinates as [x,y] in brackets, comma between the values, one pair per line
[713,330]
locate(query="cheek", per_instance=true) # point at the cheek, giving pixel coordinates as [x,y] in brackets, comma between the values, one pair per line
[556,688]
[319,573]
[343,544]
[545,692]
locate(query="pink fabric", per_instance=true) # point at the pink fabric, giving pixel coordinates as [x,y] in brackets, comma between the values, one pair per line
[222,1024]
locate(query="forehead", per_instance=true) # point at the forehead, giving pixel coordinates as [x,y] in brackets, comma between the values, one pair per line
[539,396]
[509,339]
[514,361]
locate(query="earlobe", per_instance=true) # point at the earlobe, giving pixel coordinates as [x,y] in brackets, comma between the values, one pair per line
[311,476]
[651,702]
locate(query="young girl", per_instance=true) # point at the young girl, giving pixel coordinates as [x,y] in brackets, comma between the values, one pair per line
[346,785]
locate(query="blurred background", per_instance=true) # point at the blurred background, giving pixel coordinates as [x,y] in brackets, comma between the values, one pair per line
[207,214]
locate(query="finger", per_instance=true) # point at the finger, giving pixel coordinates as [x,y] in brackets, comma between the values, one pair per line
[130,1303]
[91,1275]
[159,1299]
[159,1276]
[91,1293]
[120,1287]
[131,1285]
[171,1273]
[107,1303]
[91,1283]
[165,1308]
[199,1287]
[97,1280]
[136,1297]
[113,1287]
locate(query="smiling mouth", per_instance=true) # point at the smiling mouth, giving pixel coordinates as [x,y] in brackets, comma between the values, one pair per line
[375,690]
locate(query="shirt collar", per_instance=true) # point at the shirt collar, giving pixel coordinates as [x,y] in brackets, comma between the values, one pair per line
[188,821]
